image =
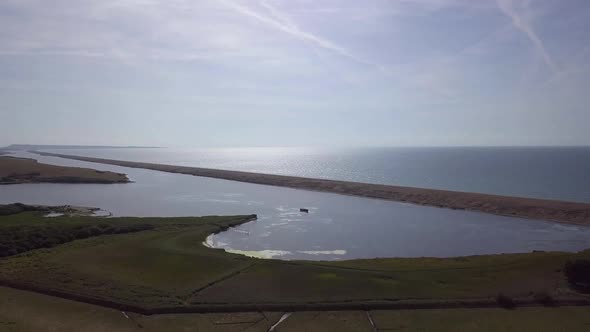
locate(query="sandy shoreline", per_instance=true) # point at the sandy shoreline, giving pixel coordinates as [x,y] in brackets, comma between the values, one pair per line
[550,210]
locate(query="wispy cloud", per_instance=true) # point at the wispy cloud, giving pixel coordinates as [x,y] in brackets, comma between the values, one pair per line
[507,7]
[279,21]
[450,65]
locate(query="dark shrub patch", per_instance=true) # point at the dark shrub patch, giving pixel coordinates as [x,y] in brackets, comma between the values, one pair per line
[577,273]
[15,208]
[505,302]
[545,299]
[15,240]
[94,231]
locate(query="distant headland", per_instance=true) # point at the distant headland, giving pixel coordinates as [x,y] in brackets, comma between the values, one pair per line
[23,170]
[26,147]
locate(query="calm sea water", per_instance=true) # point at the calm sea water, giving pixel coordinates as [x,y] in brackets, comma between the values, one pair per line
[337,227]
[554,173]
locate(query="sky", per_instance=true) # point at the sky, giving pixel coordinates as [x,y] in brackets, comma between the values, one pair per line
[216,73]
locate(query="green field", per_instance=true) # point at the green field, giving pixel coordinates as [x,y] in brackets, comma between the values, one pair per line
[22,311]
[163,265]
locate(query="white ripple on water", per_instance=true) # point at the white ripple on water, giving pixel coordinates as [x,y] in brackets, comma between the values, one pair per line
[565,227]
[323,252]
[271,253]
[288,214]
[233,195]
[216,200]
[276,224]
[264,254]
[291,219]
[53,215]
[237,230]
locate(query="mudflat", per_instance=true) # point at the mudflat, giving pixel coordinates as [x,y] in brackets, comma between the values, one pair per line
[551,210]
[22,170]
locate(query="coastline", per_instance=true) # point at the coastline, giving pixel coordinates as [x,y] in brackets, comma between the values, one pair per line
[241,284]
[61,210]
[530,208]
[14,170]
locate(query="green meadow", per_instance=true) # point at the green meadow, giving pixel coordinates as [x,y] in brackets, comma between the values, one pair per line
[22,311]
[161,265]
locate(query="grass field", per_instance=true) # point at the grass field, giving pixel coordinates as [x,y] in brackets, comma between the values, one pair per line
[21,170]
[22,311]
[164,266]
[153,268]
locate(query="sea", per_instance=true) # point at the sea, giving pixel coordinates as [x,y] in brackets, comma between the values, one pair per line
[559,173]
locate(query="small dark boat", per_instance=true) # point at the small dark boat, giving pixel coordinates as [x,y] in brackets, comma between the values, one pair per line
[304,210]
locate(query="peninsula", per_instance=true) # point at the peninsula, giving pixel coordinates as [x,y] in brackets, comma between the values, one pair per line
[550,210]
[25,147]
[23,170]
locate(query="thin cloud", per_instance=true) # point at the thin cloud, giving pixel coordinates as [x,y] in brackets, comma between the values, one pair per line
[278,14]
[280,23]
[506,6]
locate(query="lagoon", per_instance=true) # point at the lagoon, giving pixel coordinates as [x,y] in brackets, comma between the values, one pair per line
[337,227]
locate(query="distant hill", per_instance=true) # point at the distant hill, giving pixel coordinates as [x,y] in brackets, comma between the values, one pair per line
[25,147]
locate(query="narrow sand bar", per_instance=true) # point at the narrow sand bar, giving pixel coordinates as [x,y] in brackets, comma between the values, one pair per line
[558,211]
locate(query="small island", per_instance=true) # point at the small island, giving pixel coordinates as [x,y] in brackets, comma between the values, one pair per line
[15,170]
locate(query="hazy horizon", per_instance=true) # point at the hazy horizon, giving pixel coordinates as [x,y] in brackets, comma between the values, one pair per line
[235,73]
[74,146]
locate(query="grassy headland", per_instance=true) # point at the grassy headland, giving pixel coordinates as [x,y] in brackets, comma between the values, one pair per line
[558,211]
[17,235]
[22,170]
[161,266]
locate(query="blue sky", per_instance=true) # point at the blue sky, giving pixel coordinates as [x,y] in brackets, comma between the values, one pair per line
[295,72]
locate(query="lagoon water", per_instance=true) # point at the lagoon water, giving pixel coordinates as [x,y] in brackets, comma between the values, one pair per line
[561,173]
[337,227]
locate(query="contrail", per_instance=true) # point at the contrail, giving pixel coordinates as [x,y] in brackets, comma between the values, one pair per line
[278,15]
[284,25]
[507,8]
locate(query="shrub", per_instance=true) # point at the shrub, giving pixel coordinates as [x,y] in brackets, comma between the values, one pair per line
[14,240]
[545,299]
[505,302]
[577,273]
[65,237]
[94,231]
[82,233]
